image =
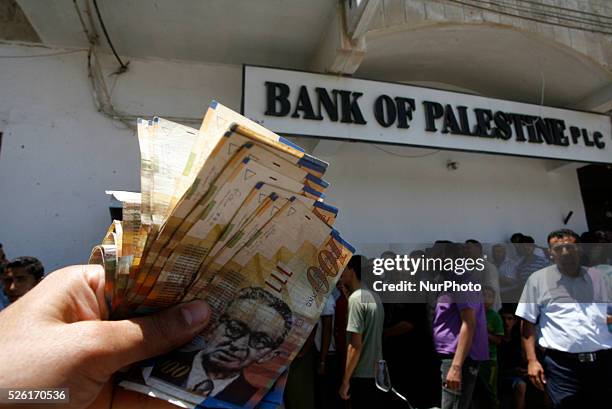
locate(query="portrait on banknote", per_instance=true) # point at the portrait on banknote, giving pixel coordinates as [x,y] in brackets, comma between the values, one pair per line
[250,331]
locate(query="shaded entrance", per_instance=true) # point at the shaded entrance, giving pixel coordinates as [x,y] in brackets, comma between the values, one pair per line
[596,188]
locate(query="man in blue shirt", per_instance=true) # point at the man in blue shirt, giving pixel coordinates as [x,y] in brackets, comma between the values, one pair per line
[530,262]
[563,307]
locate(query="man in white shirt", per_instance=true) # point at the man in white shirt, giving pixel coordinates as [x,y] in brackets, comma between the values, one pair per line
[564,307]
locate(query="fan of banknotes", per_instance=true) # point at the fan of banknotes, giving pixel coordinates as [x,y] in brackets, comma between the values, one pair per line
[232,214]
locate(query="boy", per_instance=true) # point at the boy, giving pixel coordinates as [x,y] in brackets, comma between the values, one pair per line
[486,387]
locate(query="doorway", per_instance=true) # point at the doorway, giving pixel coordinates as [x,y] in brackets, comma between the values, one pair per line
[596,188]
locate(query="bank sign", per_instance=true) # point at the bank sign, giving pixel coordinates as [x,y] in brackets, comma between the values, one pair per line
[301,103]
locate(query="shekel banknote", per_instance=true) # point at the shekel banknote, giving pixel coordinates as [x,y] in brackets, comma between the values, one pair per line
[165,149]
[224,250]
[180,268]
[266,301]
[130,236]
[209,155]
[276,155]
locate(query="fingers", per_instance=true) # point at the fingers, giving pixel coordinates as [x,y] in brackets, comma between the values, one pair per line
[123,342]
[538,380]
[542,378]
[344,392]
[71,294]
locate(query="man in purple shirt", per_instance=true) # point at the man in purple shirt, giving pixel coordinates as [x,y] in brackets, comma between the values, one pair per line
[460,336]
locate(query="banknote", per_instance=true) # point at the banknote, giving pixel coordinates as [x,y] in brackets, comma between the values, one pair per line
[232,214]
[134,381]
[169,145]
[216,213]
[266,301]
[146,171]
[250,209]
[228,150]
[212,151]
[225,250]
[106,256]
[217,121]
[130,236]
[188,208]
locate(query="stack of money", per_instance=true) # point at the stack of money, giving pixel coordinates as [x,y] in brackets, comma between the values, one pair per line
[232,214]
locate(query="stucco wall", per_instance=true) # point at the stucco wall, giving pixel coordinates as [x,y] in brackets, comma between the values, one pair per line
[520,15]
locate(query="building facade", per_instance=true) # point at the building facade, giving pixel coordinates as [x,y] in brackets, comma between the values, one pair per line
[68,108]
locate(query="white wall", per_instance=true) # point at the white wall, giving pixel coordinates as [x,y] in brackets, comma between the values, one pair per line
[389,199]
[59,155]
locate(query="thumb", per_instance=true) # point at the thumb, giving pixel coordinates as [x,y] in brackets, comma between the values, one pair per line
[124,342]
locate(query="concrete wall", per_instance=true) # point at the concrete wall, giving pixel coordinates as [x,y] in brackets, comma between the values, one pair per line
[384,198]
[59,154]
[597,46]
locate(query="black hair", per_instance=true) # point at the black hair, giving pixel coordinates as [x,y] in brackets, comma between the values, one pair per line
[559,234]
[259,294]
[31,265]
[508,308]
[356,263]
[516,237]
[474,241]
[526,239]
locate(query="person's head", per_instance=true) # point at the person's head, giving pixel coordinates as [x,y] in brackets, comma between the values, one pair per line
[388,254]
[565,250]
[21,275]
[417,254]
[498,253]
[516,237]
[589,237]
[508,317]
[525,246]
[251,329]
[473,249]
[3,259]
[454,250]
[439,248]
[488,294]
[351,276]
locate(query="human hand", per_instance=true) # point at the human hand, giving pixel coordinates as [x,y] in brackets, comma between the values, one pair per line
[453,378]
[344,390]
[536,374]
[55,336]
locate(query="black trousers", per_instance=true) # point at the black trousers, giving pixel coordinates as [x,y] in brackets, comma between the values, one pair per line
[581,385]
[365,394]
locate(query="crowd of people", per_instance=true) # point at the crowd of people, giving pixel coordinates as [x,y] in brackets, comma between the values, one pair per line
[538,334]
